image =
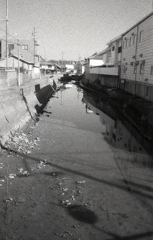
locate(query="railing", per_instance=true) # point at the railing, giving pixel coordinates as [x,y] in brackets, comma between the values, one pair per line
[104,70]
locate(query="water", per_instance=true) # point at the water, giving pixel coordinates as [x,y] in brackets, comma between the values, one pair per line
[96,166]
[77,111]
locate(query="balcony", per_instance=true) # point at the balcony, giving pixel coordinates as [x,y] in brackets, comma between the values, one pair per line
[113,71]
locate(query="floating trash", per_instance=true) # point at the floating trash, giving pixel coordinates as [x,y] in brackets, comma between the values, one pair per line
[64,189]
[12,175]
[2,180]
[73,199]
[65,202]
[81,182]
[25,173]
[8,200]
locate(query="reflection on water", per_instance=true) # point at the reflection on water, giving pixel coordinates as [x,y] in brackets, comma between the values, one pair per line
[132,153]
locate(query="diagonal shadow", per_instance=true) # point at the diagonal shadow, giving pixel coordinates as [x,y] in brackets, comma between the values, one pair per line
[143,187]
[111,235]
[122,187]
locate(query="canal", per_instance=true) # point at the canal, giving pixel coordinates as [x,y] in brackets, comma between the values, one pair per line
[87,177]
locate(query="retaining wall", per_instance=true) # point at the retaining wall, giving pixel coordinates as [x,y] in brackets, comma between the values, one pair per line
[17,105]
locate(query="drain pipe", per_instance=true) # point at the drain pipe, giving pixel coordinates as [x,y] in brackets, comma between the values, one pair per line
[136,47]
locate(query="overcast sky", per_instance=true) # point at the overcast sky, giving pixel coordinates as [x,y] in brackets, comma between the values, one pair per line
[74,27]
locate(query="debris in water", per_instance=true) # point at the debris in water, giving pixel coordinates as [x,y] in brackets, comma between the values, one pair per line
[64,189]
[81,182]
[19,141]
[8,200]
[24,173]
[2,180]
[66,202]
[12,175]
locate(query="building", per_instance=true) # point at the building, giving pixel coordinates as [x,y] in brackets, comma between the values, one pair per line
[47,67]
[104,66]
[22,62]
[137,59]
[127,62]
[26,50]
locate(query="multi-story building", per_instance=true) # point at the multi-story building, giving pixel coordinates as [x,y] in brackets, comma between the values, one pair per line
[127,62]
[104,66]
[137,59]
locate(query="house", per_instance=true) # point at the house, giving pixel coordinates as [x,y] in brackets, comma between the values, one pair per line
[79,67]
[137,59]
[21,63]
[69,68]
[104,66]
[22,50]
[25,49]
[47,67]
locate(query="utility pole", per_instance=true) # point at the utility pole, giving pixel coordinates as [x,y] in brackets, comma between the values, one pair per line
[6,34]
[18,63]
[62,62]
[34,49]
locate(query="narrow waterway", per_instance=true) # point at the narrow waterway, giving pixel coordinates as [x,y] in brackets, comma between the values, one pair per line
[84,176]
[97,147]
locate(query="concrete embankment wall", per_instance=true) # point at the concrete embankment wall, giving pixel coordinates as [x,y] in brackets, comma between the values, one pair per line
[17,105]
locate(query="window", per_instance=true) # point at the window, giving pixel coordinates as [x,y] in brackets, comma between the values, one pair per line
[141,68]
[11,46]
[125,43]
[113,48]
[119,49]
[0,50]
[141,36]
[134,39]
[125,69]
[130,42]
[25,47]
[147,91]
[135,69]
[151,71]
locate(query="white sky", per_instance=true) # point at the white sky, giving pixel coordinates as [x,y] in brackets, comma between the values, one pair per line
[74,27]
